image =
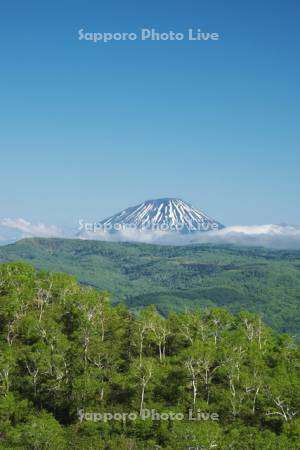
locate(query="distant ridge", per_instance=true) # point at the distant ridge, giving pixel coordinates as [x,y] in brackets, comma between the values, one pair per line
[176,278]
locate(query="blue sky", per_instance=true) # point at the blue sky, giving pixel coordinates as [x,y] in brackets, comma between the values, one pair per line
[88,129]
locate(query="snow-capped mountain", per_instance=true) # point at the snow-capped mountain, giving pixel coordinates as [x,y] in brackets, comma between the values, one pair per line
[164,214]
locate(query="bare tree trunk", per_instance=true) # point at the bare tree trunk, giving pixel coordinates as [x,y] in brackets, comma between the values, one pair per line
[194,391]
[142,399]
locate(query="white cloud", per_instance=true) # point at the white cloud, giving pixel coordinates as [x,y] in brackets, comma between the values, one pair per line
[272,236]
[14,229]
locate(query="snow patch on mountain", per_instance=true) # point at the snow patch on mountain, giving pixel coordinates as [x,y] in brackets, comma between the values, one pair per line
[165,214]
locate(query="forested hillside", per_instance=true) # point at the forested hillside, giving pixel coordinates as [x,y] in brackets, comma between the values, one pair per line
[68,360]
[259,280]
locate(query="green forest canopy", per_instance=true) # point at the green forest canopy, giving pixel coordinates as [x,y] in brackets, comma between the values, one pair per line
[265,282]
[66,354]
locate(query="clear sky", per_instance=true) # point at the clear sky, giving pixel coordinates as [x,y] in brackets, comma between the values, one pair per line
[88,129]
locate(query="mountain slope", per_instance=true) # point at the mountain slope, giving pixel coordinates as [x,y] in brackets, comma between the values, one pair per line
[166,214]
[174,278]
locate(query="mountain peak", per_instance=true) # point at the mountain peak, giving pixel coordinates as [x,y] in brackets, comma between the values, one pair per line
[165,214]
[164,199]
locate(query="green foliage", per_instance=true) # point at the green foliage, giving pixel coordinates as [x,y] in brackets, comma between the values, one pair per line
[265,282]
[67,357]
